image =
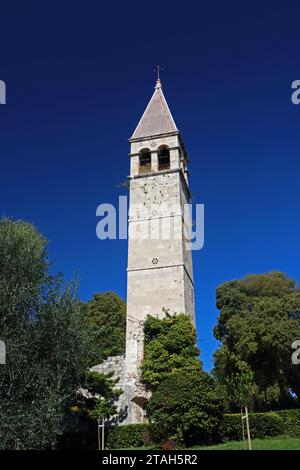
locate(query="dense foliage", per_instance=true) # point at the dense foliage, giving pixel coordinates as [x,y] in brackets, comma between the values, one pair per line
[283,422]
[261,425]
[170,345]
[106,313]
[47,341]
[130,435]
[291,419]
[258,321]
[186,407]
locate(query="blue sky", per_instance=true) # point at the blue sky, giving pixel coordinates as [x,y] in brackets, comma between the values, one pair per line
[79,75]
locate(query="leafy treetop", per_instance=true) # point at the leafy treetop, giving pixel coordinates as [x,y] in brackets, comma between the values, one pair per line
[257,324]
[106,314]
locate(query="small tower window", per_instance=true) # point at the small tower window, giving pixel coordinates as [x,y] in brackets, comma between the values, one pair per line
[145,161]
[163,158]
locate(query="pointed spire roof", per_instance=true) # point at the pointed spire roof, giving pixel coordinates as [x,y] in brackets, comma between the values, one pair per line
[157,118]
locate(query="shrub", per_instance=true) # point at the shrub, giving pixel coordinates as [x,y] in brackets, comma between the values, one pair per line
[261,425]
[291,419]
[266,424]
[186,408]
[127,436]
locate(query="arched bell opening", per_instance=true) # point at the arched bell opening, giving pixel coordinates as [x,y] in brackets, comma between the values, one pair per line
[144,161]
[163,158]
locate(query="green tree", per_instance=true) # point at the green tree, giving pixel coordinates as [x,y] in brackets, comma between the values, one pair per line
[96,401]
[97,397]
[239,381]
[258,321]
[47,341]
[106,313]
[170,345]
[186,407]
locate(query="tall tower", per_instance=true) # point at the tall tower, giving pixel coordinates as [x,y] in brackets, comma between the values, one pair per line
[160,273]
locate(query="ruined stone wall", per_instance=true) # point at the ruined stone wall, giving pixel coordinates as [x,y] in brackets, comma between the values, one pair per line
[115,364]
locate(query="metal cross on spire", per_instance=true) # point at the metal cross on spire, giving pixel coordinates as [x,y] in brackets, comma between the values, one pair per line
[158,70]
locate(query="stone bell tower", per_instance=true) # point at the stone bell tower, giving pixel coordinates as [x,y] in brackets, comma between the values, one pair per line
[160,273]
